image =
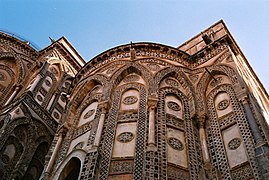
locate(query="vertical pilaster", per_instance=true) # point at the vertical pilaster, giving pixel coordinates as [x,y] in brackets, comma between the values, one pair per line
[151,149]
[103,107]
[202,134]
[261,147]
[48,171]
[91,159]
[17,88]
[152,105]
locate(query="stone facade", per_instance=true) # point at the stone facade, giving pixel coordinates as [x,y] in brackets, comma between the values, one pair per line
[137,111]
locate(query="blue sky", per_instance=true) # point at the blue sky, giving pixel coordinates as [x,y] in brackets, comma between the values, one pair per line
[94,26]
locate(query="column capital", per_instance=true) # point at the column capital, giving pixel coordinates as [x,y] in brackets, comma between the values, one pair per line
[152,101]
[202,118]
[64,129]
[103,106]
[244,99]
[17,86]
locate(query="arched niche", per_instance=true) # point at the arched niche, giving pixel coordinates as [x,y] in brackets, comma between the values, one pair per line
[173,106]
[79,92]
[222,103]
[132,78]
[71,170]
[134,73]
[7,81]
[217,80]
[36,165]
[130,100]
[88,113]
[175,131]
[10,154]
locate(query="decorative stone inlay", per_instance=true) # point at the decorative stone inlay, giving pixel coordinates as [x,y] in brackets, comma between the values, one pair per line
[124,166]
[175,144]
[111,69]
[194,77]
[223,104]
[216,81]
[125,137]
[174,106]
[153,67]
[89,114]
[39,98]
[171,82]
[130,100]
[131,78]
[54,71]
[56,115]
[5,159]
[2,77]
[234,143]
[79,145]
[47,82]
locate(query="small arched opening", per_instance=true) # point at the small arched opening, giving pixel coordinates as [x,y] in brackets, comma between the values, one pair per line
[71,170]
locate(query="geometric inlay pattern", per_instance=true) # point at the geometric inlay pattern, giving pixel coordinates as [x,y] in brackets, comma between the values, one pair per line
[174,106]
[130,100]
[223,104]
[175,144]
[171,82]
[89,114]
[234,143]
[125,137]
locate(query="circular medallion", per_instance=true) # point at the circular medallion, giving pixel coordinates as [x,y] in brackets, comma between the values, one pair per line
[56,115]
[171,82]
[223,104]
[175,144]
[39,98]
[89,114]
[130,100]
[216,81]
[125,137]
[174,106]
[131,78]
[234,143]
[153,67]
[67,84]
[47,82]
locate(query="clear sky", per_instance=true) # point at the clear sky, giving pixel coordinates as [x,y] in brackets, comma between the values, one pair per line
[93,26]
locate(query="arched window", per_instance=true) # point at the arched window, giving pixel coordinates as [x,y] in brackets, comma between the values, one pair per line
[71,170]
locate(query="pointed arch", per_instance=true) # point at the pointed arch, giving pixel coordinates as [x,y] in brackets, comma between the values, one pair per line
[206,78]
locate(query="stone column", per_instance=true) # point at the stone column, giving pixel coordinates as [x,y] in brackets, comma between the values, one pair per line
[252,122]
[103,106]
[17,88]
[152,105]
[62,132]
[202,134]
